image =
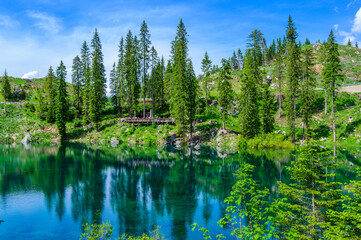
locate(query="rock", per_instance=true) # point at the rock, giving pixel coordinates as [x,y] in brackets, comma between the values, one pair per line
[178,144]
[27,139]
[114,142]
[197,147]
[197,134]
[212,135]
[221,131]
[350,119]
[158,133]
[323,139]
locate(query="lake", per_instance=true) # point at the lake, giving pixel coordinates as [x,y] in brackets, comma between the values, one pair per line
[47,192]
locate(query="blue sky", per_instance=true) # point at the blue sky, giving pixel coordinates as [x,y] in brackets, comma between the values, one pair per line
[35,34]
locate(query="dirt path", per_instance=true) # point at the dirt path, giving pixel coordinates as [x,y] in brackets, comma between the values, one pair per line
[351,89]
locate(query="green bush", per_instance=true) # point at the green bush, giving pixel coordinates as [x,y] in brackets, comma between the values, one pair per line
[270,140]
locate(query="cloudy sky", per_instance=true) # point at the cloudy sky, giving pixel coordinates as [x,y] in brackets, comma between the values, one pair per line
[36,34]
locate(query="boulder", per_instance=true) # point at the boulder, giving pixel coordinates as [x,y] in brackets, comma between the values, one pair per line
[114,142]
[27,139]
[197,134]
[221,131]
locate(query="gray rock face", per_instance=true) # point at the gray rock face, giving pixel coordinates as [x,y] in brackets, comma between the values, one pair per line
[27,139]
[114,142]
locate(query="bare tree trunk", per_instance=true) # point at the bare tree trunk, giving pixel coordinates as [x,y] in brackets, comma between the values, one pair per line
[224,124]
[325,101]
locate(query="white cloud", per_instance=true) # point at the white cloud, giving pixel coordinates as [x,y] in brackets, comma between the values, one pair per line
[6,21]
[45,21]
[352,3]
[336,26]
[356,27]
[30,74]
[335,9]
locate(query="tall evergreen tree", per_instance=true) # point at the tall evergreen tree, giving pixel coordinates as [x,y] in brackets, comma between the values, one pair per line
[255,44]
[77,82]
[168,73]
[356,45]
[191,94]
[178,80]
[308,84]
[278,74]
[61,101]
[332,76]
[303,213]
[49,94]
[206,67]
[85,79]
[120,82]
[5,87]
[307,42]
[98,81]
[292,77]
[234,61]
[113,85]
[153,66]
[240,59]
[268,112]
[145,49]
[249,113]
[225,90]
[349,44]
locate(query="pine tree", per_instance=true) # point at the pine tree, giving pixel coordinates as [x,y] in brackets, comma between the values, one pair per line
[278,74]
[120,83]
[255,44]
[61,102]
[268,112]
[225,90]
[308,84]
[303,213]
[131,72]
[292,77]
[332,76]
[178,81]
[153,66]
[234,61]
[49,95]
[349,44]
[5,87]
[356,45]
[86,80]
[98,82]
[307,42]
[191,94]
[240,59]
[249,113]
[168,84]
[144,48]
[113,86]
[77,83]
[206,67]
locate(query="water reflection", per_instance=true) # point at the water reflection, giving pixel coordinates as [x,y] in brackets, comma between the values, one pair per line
[134,188]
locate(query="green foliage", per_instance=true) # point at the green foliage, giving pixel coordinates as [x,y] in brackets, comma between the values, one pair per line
[263,141]
[77,83]
[98,82]
[5,87]
[248,201]
[96,231]
[85,79]
[61,102]
[206,67]
[268,111]
[154,235]
[225,91]
[249,112]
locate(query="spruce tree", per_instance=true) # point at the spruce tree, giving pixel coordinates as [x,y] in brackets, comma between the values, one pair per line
[225,90]
[356,45]
[120,82]
[349,44]
[98,82]
[49,95]
[234,61]
[168,73]
[153,66]
[249,113]
[144,49]
[303,213]
[278,74]
[85,79]
[332,76]
[307,42]
[255,44]
[206,67]
[307,95]
[5,87]
[61,102]
[113,86]
[177,100]
[191,94]
[268,112]
[240,59]
[292,77]
[77,83]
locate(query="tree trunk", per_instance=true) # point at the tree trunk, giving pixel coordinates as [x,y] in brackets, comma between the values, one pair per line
[224,124]
[333,117]
[325,101]
[280,105]
[144,106]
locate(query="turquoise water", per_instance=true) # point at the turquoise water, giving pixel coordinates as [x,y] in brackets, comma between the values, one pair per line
[47,192]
